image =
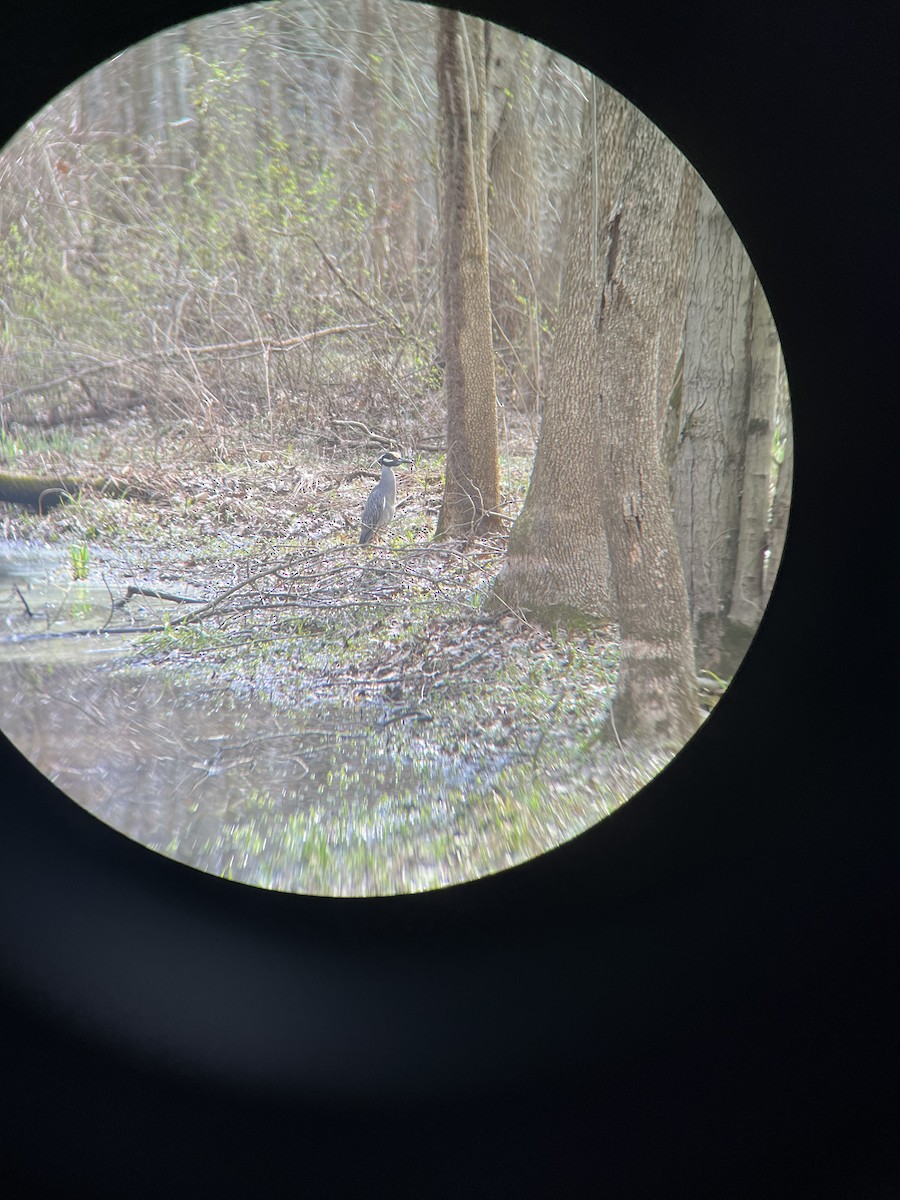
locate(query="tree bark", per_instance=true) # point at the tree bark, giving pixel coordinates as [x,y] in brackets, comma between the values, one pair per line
[472,478]
[655,703]
[669,392]
[781,503]
[557,560]
[747,591]
[709,461]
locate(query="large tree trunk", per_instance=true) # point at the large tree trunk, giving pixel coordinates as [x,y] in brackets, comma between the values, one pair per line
[781,503]
[747,591]
[655,704]
[709,460]
[557,560]
[671,354]
[472,479]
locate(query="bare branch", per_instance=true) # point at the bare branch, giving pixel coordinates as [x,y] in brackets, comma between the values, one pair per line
[259,344]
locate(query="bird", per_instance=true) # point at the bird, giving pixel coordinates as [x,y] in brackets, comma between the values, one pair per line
[380,505]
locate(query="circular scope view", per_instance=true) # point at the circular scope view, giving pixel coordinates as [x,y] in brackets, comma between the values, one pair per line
[395,446]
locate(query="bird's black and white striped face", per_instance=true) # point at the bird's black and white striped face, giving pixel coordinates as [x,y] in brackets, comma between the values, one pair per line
[392,460]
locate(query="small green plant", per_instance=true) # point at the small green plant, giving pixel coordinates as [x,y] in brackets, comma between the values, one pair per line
[8,446]
[80,556]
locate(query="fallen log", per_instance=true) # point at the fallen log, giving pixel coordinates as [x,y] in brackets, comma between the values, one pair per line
[43,492]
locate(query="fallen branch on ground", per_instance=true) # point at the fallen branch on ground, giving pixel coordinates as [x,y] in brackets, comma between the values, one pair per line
[43,492]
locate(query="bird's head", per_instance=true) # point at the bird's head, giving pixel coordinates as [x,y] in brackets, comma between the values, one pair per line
[392,460]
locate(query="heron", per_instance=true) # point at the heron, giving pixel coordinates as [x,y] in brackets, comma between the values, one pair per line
[380,505]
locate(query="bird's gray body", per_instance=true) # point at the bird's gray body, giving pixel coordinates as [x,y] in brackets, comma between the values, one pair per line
[379,508]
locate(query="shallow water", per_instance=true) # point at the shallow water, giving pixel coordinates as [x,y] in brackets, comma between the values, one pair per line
[168,765]
[305,800]
[273,777]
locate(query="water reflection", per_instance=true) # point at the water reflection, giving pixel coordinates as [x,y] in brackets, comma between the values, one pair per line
[21,562]
[41,606]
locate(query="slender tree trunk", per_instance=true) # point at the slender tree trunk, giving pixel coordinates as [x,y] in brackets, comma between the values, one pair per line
[176,74]
[747,592]
[400,228]
[472,479]
[560,83]
[557,559]
[366,122]
[514,217]
[655,704]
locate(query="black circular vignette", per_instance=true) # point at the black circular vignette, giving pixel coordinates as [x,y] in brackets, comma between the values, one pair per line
[691,996]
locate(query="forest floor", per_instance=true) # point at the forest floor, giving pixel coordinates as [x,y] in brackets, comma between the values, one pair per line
[481,732]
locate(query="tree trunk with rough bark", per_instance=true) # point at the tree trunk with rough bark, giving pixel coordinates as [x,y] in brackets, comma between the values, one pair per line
[557,563]
[707,476]
[781,503]
[472,479]
[671,356]
[747,591]
[655,704]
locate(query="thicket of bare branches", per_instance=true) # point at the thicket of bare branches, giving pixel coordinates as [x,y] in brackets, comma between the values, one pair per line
[237,218]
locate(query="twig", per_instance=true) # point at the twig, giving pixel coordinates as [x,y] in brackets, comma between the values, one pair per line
[157,595]
[18,638]
[217,601]
[112,600]
[612,721]
[24,601]
[378,438]
[348,286]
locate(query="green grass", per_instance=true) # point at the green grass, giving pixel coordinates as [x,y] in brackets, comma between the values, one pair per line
[80,556]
